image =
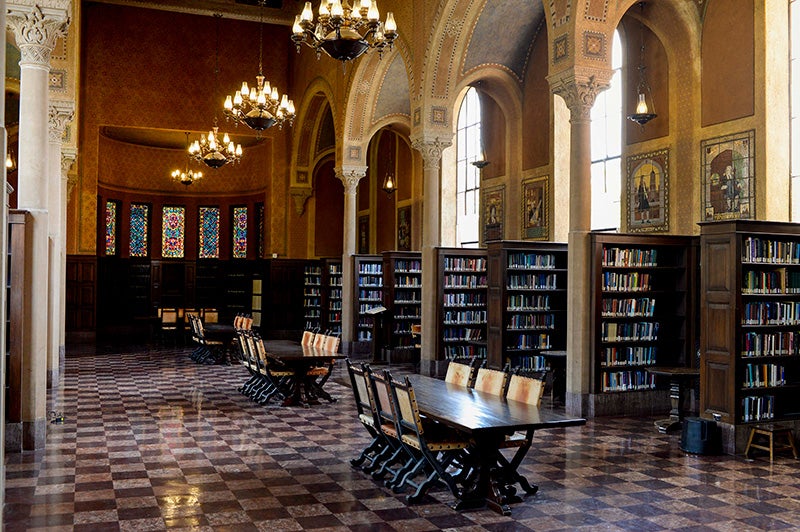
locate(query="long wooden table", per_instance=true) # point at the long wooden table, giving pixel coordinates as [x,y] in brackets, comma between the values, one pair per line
[299,359]
[487,419]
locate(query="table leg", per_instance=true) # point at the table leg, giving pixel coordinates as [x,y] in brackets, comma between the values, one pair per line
[489,488]
[674,421]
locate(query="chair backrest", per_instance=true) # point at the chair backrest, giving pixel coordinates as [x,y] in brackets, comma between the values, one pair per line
[491,381]
[247,323]
[382,396]
[458,373]
[358,379]
[331,344]
[308,338]
[237,321]
[169,316]
[319,339]
[406,409]
[525,390]
[210,315]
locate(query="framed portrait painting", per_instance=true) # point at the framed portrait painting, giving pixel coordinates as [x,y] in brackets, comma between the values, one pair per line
[647,187]
[493,213]
[535,200]
[728,177]
[404,228]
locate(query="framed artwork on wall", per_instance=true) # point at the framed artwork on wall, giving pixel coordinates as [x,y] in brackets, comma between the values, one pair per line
[493,212]
[647,186]
[727,177]
[404,228]
[363,234]
[535,200]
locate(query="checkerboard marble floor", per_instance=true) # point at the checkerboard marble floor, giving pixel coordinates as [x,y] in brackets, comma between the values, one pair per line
[152,441]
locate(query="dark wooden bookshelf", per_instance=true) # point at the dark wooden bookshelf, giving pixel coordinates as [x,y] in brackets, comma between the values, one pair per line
[402,275]
[643,315]
[368,271]
[462,289]
[332,295]
[750,323]
[527,293]
[312,295]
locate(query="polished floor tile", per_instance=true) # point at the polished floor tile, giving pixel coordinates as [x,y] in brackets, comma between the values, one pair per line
[152,441]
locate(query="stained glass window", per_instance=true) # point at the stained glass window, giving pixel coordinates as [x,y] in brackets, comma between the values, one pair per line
[240,232]
[209,233]
[173,223]
[111,228]
[260,224]
[140,219]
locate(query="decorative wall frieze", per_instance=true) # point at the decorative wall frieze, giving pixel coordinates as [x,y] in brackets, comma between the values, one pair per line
[59,114]
[350,176]
[36,29]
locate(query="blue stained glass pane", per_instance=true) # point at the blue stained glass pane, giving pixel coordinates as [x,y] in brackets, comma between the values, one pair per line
[261,214]
[139,229]
[111,228]
[240,232]
[173,222]
[209,233]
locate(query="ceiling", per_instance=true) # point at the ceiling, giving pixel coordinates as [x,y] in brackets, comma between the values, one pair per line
[274,11]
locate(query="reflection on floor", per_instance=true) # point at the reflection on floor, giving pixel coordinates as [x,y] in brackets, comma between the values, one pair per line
[153,441]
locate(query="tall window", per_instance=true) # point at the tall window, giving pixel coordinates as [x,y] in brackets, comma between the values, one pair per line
[111,228]
[140,221]
[468,149]
[173,225]
[794,84]
[240,232]
[209,233]
[607,147]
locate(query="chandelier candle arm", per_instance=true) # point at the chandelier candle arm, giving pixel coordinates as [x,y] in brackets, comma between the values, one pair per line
[343,33]
[187,176]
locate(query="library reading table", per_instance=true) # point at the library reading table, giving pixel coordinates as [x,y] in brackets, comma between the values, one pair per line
[677,377]
[487,419]
[300,359]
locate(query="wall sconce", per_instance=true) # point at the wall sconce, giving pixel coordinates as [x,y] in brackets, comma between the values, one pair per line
[390,182]
[11,164]
[644,112]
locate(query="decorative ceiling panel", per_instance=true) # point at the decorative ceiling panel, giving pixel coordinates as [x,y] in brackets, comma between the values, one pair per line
[394,97]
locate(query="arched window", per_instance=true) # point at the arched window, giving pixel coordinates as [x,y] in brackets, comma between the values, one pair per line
[794,84]
[468,150]
[607,147]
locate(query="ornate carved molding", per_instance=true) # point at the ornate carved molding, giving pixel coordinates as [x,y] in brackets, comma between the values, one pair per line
[59,114]
[580,90]
[350,176]
[68,157]
[431,151]
[300,195]
[36,29]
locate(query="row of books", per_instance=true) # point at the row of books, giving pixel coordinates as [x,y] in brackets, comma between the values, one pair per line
[313,280]
[368,268]
[628,307]
[335,269]
[335,305]
[532,341]
[401,329]
[408,313]
[408,266]
[757,249]
[464,351]
[312,291]
[532,363]
[365,335]
[334,317]
[464,300]
[770,282]
[629,356]
[764,375]
[336,294]
[517,261]
[312,270]
[771,313]
[531,321]
[646,331]
[463,264]
[758,408]
[756,344]
[462,334]
[533,281]
[624,381]
[312,313]
[370,280]
[629,257]
[370,295]
[407,296]
[335,281]
[363,307]
[518,302]
[464,281]
[456,317]
[626,282]
[310,302]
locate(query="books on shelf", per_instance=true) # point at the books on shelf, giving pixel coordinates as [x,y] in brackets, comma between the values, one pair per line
[462,312]
[767,250]
[766,344]
[629,257]
[625,381]
[758,408]
[764,375]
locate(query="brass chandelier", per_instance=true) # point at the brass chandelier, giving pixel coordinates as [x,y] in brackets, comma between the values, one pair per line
[338,30]
[187,176]
[212,150]
[261,106]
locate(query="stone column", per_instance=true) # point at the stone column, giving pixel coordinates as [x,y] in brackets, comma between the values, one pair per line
[431,150]
[349,176]
[60,113]
[579,94]
[36,30]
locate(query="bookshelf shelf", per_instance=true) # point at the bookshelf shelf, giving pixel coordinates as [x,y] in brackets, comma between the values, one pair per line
[462,309]
[368,270]
[750,321]
[312,295]
[403,296]
[644,315]
[332,295]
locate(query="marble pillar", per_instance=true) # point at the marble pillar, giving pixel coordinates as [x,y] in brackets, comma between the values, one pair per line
[431,150]
[35,30]
[349,176]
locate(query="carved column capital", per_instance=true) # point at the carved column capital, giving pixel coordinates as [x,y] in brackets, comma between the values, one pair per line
[36,28]
[59,114]
[580,90]
[431,150]
[350,176]
[68,156]
[300,195]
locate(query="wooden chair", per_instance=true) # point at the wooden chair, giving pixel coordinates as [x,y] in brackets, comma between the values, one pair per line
[395,454]
[460,374]
[524,390]
[359,379]
[279,379]
[308,338]
[215,352]
[210,315]
[433,445]
[491,381]
[169,324]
